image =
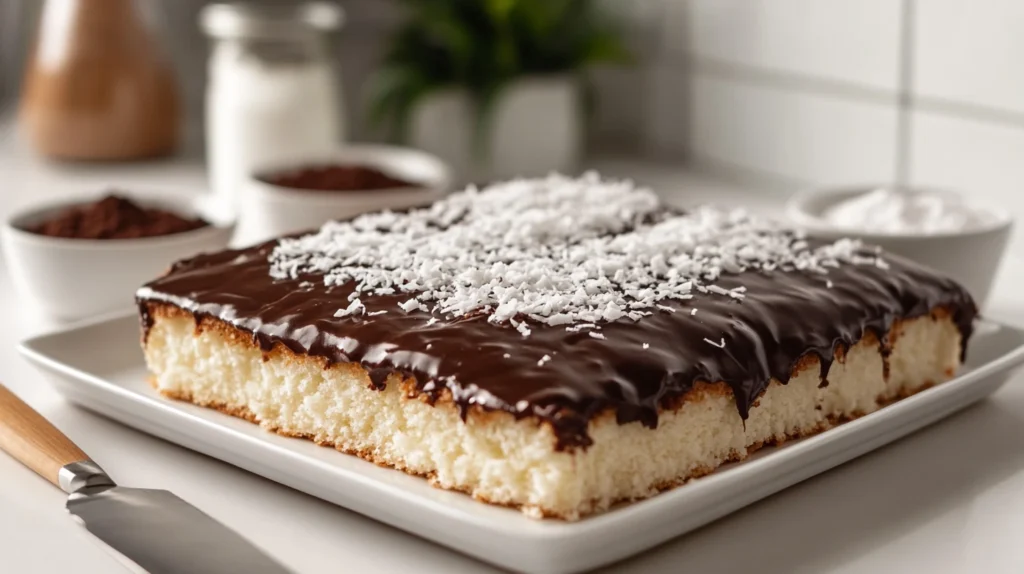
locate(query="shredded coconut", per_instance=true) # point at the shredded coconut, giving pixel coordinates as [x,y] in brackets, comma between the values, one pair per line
[720,345]
[354,307]
[411,305]
[596,335]
[647,346]
[577,252]
[543,360]
[693,311]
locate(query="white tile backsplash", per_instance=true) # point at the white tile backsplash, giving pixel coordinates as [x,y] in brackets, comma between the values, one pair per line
[814,138]
[851,41]
[970,52]
[979,158]
[667,110]
[640,20]
[620,109]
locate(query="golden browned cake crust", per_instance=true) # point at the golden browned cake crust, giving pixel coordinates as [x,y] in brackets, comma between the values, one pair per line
[702,393]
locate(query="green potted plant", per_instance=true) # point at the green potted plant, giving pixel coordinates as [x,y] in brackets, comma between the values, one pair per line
[495,87]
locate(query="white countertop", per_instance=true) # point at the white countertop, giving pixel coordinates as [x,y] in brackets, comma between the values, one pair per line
[949,499]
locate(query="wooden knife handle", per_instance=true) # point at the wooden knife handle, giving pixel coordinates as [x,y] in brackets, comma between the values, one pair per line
[31,439]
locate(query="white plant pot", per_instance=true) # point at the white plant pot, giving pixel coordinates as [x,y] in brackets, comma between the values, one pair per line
[536,128]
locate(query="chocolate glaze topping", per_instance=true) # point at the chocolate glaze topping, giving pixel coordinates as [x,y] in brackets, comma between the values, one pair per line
[784,316]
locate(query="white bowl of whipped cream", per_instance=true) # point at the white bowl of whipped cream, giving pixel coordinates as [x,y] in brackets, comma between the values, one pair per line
[956,235]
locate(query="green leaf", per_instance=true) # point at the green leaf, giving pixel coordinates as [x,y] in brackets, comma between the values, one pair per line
[482,46]
[443,28]
[394,92]
[604,48]
[500,9]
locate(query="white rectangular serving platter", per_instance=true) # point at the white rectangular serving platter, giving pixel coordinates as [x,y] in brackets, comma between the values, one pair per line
[99,366]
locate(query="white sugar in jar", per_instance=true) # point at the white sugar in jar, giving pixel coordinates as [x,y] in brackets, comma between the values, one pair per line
[273,91]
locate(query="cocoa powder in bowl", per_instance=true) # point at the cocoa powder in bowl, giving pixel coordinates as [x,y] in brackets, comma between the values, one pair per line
[114,217]
[336,178]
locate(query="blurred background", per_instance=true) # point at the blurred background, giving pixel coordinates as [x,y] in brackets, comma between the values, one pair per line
[360,47]
[798,91]
[803,90]
[778,93]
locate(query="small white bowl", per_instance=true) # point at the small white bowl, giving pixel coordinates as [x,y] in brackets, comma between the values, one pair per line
[69,279]
[971,257]
[267,211]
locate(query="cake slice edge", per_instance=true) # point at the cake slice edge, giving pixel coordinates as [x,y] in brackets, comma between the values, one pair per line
[500,459]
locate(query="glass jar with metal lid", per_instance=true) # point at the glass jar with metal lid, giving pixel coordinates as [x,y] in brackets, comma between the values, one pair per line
[273,89]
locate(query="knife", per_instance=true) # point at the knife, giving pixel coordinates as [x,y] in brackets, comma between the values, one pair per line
[154,528]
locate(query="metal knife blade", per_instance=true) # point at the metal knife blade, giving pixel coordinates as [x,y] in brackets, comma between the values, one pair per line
[164,534]
[154,528]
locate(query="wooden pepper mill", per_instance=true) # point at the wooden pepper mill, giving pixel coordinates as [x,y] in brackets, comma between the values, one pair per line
[97,86]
